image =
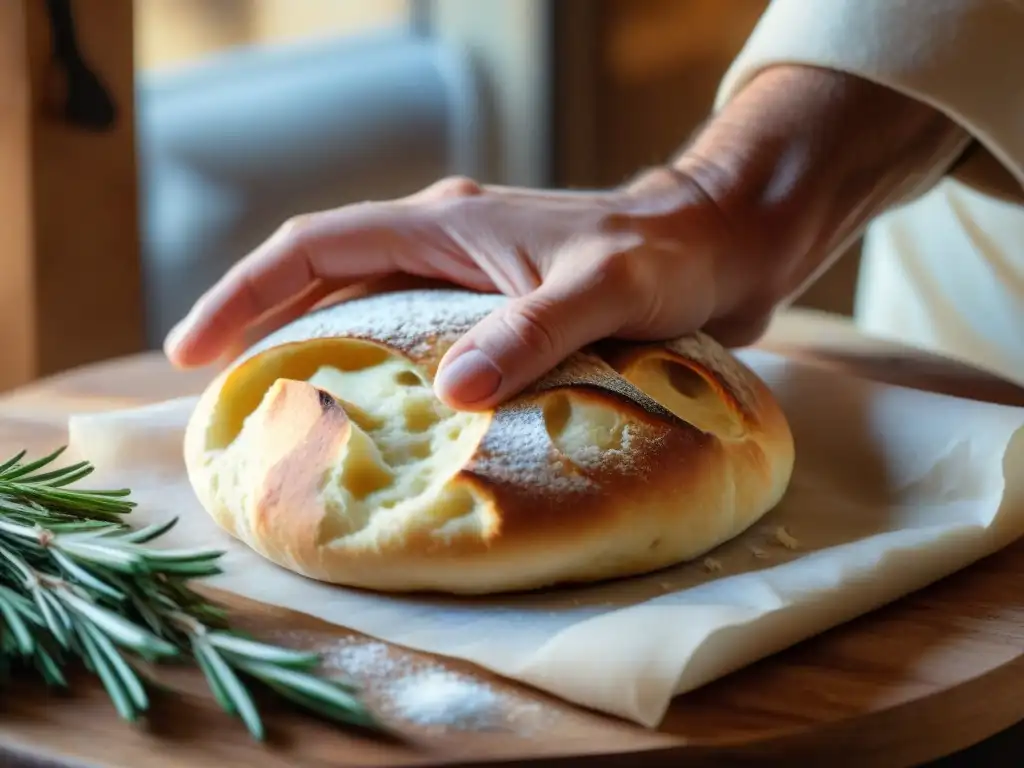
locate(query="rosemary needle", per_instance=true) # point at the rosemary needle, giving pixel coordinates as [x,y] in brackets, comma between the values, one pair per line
[77,582]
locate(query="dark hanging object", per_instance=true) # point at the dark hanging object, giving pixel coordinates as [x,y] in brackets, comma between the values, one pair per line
[87,103]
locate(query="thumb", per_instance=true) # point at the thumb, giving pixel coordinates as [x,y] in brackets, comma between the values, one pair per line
[527,337]
[743,330]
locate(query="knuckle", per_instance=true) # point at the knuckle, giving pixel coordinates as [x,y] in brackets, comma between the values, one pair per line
[624,271]
[637,282]
[533,328]
[617,264]
[455,186]
[660,179]
[293,229]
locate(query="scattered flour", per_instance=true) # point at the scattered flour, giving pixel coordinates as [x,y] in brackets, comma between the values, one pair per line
[363,660]
[439,697]
[428,695]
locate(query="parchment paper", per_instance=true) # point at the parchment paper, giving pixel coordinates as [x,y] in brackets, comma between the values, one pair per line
[893,489]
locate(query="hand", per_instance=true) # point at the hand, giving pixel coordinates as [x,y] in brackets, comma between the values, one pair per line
[579,267]
[775,186]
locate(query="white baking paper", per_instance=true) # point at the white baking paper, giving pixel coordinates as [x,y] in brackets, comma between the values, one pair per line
[893,489]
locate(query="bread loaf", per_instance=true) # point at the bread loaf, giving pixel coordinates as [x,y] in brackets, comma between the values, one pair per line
[324,449]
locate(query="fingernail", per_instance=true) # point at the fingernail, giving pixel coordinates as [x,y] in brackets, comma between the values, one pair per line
[173,339]
[469,378]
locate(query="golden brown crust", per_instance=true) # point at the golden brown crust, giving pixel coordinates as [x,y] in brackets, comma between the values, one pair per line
[306,429]
[682,448]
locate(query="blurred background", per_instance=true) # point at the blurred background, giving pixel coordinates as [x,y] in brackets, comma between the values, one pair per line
[232,115]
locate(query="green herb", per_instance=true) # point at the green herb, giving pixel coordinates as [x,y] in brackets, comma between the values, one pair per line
[76,581]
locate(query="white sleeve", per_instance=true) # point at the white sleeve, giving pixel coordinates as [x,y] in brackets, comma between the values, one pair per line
[963,57]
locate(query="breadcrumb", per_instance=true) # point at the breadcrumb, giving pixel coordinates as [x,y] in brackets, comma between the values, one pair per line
[711,565]
[783,537]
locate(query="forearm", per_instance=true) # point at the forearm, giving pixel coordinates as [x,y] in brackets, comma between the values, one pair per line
[964,57]
[797,164]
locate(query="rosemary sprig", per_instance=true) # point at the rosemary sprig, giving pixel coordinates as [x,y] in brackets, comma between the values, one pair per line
[76,581]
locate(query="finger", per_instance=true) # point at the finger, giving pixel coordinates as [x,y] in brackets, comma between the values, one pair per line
[292,310]
[445,189]
[319,296]
[554,196]
[527,337]
[262,327]
[346,245]
[340,252]
[461,186]
[740,331]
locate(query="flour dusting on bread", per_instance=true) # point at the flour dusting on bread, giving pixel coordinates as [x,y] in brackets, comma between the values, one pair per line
[605,467]
[414,322]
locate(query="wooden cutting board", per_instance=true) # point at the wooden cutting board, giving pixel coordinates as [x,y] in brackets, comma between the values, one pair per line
[927,676]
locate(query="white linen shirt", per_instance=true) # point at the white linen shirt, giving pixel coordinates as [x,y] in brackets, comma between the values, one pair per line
[944,271]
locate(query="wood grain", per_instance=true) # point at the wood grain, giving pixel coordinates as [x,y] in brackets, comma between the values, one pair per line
[72,286]
[924,677]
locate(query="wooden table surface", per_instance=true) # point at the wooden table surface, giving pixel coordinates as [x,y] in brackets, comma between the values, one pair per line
[925,677]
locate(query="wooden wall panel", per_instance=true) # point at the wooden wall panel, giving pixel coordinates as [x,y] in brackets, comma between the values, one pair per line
[635,78]
[662,61]
[17,332]
[72,290]
[172,33]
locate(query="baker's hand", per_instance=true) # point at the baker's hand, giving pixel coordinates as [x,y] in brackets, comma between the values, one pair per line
[579,267]
[776,184]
